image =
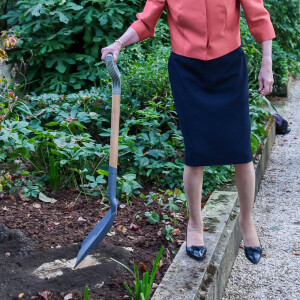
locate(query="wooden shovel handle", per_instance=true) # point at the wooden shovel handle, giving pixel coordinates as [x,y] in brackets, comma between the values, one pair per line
[114,136]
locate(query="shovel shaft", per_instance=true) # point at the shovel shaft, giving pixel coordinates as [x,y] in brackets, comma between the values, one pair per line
[114,136]
[99,232]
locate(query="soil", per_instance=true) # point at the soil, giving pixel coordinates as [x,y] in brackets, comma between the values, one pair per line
[34,232]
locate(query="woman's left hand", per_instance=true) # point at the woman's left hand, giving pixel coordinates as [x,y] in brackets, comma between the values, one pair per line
[265,76]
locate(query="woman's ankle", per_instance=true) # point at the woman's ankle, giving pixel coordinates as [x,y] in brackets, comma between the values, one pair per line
[243,220]
[194,236]
[195,224]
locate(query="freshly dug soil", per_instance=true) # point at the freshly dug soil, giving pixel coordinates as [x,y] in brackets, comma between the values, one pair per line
[46,228]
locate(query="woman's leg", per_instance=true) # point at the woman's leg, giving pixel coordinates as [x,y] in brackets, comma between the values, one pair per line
[245,183]
[193,180]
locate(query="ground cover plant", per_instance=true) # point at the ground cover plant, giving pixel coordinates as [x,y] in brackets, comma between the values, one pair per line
[57,141]
[142,288]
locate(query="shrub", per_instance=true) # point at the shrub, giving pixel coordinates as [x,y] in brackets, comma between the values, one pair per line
[64,139]
[66,37]
[285,17]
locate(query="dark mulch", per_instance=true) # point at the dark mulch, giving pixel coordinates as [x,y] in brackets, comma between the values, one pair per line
[54,225]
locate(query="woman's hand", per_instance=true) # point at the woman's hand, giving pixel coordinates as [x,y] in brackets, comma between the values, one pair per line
[128,38]
[113,48]
[265,77]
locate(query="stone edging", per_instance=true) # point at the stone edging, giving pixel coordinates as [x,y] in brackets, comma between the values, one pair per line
[187,278]
[283,90]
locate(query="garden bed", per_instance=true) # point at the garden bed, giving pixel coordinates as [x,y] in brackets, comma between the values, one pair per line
[50,228]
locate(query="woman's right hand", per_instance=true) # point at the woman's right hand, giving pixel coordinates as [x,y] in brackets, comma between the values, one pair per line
[113,48]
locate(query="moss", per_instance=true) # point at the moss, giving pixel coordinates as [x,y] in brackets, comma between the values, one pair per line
[208,279]
[209,222]
[220,198]
[203,288]
[212,219]
[211,269]
[233,215]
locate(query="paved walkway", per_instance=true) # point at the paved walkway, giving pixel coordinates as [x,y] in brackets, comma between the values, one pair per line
[276,213]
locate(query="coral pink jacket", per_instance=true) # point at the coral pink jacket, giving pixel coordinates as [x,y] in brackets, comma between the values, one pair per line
[205,29]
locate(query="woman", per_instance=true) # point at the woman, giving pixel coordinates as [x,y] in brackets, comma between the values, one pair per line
[209,80]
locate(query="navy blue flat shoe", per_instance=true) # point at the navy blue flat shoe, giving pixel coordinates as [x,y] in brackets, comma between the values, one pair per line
[196,252]
[253,254]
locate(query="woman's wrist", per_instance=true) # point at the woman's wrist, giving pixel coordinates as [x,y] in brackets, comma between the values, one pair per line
[266,60]
[121,43]
[266,51]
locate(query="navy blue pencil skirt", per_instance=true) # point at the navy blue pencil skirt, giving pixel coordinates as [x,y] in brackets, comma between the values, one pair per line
[211,99]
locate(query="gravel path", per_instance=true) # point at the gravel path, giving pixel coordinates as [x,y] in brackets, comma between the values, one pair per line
[276,213]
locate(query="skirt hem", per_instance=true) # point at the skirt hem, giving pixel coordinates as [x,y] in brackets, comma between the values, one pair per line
[198,164]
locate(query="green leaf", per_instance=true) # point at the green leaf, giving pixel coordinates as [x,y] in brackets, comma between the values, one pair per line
[103,19]
[122,265]
[90,178]
[52,124]
[129,177]
[100,179]
[152,217]
[157,259]
[63,18]
[86,293]
[127,188]
[144,162]
[36,10]
[102,172]
[156,153]
[79,126]
[74,6]
[61,62]
[83,117]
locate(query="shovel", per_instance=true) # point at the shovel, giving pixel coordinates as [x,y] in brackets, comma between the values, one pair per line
[101,229]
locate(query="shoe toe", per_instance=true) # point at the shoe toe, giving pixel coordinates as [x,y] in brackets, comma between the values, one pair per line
[196,252]
[253,254]
[256,257]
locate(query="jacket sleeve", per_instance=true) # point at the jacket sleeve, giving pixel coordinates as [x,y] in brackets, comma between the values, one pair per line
[258,20]
[147,20]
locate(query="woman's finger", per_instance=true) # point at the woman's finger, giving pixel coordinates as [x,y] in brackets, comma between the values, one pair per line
[110,49]
[270,87]
[105,53]
[260,80]
[269,84]
[116,55]
[262,86]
